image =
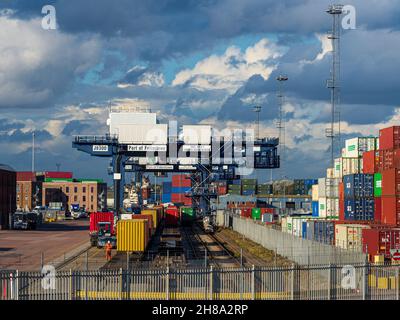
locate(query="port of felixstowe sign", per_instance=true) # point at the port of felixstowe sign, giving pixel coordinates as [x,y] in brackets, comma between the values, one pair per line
[145,148]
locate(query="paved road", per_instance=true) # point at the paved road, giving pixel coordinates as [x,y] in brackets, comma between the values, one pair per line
[21,249]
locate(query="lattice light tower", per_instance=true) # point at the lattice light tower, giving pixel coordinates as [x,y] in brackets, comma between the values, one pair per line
[281,120]
[257,110]
[333,132]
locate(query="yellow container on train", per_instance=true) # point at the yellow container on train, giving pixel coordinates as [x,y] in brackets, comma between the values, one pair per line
[161,209]
[132,235]
[156,214]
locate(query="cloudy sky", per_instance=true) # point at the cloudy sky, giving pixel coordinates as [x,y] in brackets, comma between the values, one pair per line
[195,61]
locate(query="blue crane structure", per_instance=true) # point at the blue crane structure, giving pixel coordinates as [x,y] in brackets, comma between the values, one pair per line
[217,163]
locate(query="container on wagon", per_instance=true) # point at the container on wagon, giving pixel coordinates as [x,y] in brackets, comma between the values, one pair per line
[187,213]
[149,219]
[256,213]
[155,215]
[380,241]
[132,235]
[172,216]
[349,236]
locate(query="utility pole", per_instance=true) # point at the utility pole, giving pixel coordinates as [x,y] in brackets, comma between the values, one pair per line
[58,165]
[257,110]
[281,120]
[33,151]
[333,132]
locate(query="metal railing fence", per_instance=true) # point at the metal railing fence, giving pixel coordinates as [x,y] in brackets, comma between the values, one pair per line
[319,282]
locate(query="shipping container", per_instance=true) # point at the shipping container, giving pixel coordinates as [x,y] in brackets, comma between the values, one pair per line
[349,236]
[391,182]
[181,180]
[167,187]
[388,159]
[172,216]
[166,198]
[26,176]
[187,214]
[346,166]
[256,213]
[377,241]
[341,201]
[156,216]
[389,138]
[58,174]
[390,210]
[328,187]
[359,209]
[149,219]
[377,185]
[310,229]
[328,207]
[249,182]
[314,194]
[246,212]
[370,162]
[267,217]
[132,235]
[324,231]
[378,209]
[315,209]
[358,185]
[180,189]
[97,217]
[126,216]
[354,148]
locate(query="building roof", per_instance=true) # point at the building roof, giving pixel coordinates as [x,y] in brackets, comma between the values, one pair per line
[6,167]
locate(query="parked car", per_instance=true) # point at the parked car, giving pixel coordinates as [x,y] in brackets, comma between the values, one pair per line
[82,214]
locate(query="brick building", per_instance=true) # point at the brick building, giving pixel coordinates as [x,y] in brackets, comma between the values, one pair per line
[7,195]
[91,195]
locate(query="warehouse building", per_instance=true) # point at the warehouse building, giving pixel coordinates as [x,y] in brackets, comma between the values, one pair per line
[7,195]
[29,190]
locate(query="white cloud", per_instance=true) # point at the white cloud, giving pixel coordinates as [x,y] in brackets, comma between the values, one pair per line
[326,46]
[36,65]
[231,69]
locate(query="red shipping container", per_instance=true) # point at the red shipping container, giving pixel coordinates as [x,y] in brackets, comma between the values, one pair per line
[222,190]
[245,212]
[389,138]
[380,240]
[58,174]
[181,180]
[97,217]
[267,210]
[172,216]
[378,209]
[388,159]
[26,176]
[369,162]
[390,210]
[391,182]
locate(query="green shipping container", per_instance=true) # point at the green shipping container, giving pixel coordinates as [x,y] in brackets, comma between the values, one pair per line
[256,213]
[377,184]
[234,186]
[188,212]
[58,180]
[249,181]
[248,187]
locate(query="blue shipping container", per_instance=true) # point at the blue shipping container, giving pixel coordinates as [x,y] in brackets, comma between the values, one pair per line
[310,230]
[304,230]
[237,182]
[248,192]
[167,187]
[359,209]
[358,185]
[324,231]
[166,197]
[315,209]
[180,189]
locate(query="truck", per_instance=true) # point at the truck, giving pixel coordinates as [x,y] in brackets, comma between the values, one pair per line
[101,228]
[25,220]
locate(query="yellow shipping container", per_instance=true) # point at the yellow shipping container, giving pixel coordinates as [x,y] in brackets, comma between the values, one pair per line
[155,214]
[132,235]
[314,194]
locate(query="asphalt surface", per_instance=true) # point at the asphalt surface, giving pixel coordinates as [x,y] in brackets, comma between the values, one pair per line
[23,249]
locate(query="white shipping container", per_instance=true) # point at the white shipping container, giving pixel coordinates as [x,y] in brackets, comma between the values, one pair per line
[346,166]
[328,207]
[330,173]
[357,146]
[349,236]
[196,134]
[284,224]
[297,225]
[328,187]
[143,134]
[220,219]
[314,193]
[126,216]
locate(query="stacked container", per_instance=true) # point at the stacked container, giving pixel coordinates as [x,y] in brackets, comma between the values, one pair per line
[381,241]
[349,236]
[265,188]
[359,197]
[249,187]
[328,193]
[181,184]
[391,197]
[315,198]
[235,187]
[166,192]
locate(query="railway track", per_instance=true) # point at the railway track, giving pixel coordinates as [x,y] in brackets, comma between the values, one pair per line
[89,258]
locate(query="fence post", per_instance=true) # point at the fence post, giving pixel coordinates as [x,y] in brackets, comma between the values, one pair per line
[16,285]
[167,284]
[397,284]
[365,274]
[71,286]
[253,283]
[332,282]
[120,283]
[292,283]
[211,283]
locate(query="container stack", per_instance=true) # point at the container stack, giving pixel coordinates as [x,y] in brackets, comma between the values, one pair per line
[249,187]
[181,184]
[328,197]
[359,197]
[221,187]
[265,188]
[303,186]
[166,192]
[234,187]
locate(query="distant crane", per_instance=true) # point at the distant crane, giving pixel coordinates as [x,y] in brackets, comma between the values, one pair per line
[58,165]
[257,110]
[33,151]
[332,132]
